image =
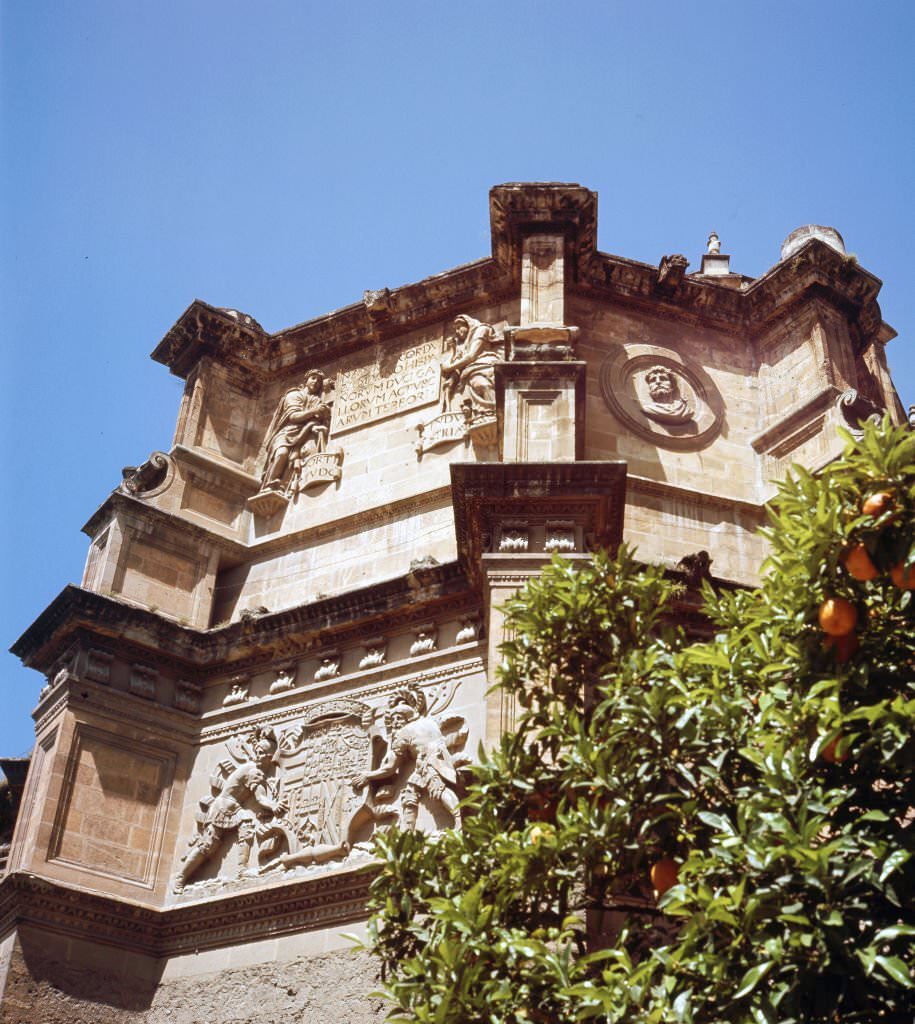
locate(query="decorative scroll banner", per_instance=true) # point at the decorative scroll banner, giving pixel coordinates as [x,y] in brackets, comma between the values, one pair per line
[373,391]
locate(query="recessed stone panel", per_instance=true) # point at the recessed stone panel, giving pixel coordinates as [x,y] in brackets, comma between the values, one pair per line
[112,808]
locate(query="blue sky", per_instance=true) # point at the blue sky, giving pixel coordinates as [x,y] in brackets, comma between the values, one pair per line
[282,157]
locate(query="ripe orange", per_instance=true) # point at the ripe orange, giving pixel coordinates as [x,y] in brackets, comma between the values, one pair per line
[835,751]
[664,874]
[877,504]
[838,617]
[902,577]
[858,563]
[842,646]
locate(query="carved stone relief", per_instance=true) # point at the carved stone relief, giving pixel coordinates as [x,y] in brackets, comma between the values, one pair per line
[426,637]
[425,746]
[149,478]
[514,537]
[143,681]
[187,697]
[472,349]
[244,802]
[238,692]
[560,536]
[375,653]
[297,456]
[469,630]
[285,679]
[314,792]
[98,665]
[329,666]
[661,398]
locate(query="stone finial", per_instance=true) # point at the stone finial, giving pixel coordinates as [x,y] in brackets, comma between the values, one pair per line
[714,244]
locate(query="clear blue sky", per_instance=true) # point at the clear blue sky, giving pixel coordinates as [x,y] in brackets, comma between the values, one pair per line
[282,157]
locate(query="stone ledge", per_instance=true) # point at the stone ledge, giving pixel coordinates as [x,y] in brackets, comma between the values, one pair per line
[326,901]
[392,601]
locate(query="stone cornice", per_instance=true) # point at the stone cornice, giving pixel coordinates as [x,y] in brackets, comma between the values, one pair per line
[328,901]
[414,596]
[591,493]
[815,270]
[516,210]
[118,502]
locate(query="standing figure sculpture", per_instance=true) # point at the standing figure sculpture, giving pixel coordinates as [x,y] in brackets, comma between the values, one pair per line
[229,810]
[298,429]
[470,370]
[414,735]
[667,405]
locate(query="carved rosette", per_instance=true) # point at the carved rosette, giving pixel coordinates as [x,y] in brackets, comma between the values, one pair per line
[660,397]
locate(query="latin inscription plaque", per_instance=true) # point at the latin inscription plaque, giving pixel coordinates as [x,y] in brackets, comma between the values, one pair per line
[373,391]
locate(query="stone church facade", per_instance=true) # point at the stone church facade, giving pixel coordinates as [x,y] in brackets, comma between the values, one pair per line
[288,624]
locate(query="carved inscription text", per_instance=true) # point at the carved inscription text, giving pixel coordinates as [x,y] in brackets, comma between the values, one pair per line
[371,392]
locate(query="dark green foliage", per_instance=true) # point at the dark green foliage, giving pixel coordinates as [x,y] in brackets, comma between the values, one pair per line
[773,765]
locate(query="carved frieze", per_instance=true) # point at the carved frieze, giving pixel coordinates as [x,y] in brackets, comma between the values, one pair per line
[426,638]
[469,629]
[329,666]
[238,693]
[187,697]
[560,536]
[514,538]
[98,665]
[660,397]
[425,746]
[313,792]
[244,803]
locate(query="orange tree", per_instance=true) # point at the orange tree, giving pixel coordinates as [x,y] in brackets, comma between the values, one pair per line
[762,780]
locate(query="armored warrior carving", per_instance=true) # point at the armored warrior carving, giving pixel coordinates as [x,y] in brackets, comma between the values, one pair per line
[469,372]
[298,429]
[236,787]
[414,735]
[667,405]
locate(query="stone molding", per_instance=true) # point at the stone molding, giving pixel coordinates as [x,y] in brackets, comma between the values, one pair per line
[326,901]
[190,652]
[637,485]
[366,685]
[795,420]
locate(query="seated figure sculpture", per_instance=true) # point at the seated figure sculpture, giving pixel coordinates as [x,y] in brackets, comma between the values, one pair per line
[469,372]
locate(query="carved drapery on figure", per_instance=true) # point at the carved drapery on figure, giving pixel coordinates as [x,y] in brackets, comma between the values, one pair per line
[468,407]
[468,370]
[297,437]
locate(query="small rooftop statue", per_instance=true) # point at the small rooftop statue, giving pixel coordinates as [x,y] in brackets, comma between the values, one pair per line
[714,244]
